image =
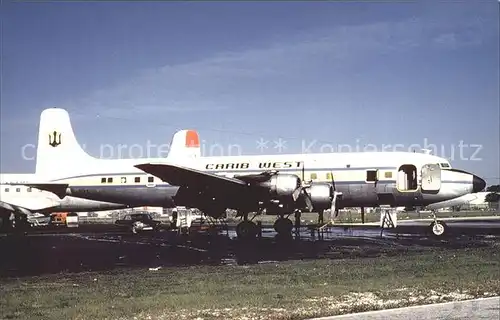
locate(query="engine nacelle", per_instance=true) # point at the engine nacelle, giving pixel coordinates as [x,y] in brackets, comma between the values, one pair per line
[321,195]
[282,185]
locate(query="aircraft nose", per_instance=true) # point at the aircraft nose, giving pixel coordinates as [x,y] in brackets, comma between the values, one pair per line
[478,184]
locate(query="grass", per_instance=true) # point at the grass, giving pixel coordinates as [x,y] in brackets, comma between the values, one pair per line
[285,290]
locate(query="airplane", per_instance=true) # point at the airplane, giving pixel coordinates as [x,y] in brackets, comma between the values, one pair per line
[274,184]
[22,199]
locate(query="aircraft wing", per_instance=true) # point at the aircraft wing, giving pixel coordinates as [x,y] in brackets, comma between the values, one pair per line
[238,192]
[28,205]
[191,178]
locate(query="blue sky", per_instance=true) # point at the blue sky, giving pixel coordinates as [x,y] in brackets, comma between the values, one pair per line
[309,73]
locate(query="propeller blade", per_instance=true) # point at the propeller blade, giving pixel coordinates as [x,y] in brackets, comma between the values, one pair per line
[333,208]
[296,193]
[333,181]
[308,201]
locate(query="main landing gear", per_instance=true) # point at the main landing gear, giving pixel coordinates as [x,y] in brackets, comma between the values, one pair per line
[283,226]
[247,229]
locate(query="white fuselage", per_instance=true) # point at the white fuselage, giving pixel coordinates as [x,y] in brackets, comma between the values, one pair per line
[365,179]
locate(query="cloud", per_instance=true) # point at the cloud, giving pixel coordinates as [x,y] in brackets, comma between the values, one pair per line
[244,78]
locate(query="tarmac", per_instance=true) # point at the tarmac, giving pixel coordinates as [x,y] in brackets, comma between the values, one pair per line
[105,247]
[484,308]
[99,247]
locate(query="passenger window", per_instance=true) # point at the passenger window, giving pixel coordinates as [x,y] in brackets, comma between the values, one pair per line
[29,189]
[6,189]
[103,180]
[151,179]
[388,174]
[314,176]
[124,180]
[329,176]
[110,180]
[137,179]
[18,189]
[371,175]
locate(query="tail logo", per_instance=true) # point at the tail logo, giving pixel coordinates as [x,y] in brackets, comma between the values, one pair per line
[54,139]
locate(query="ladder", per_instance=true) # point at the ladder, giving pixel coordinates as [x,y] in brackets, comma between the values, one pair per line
[183,221]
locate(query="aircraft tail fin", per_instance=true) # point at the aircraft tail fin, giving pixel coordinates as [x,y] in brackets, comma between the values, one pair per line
[58,151]
[185,145]
[60,155]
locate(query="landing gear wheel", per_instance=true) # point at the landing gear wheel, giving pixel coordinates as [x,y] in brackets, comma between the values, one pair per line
[246,229]
[135,228]
[438,228]
[283,226]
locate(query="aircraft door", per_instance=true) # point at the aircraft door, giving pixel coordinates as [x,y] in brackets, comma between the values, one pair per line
[431,177]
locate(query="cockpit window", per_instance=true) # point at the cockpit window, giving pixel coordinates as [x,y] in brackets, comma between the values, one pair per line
[445,165]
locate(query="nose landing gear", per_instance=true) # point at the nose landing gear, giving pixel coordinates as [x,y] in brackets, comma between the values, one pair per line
[437,227]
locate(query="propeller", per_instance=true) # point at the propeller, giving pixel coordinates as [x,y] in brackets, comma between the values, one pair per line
[296,193]
[333,209]
[302,191]
[307,198]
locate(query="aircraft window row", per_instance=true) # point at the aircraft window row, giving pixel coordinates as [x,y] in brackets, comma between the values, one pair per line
[106,180]
[29,189]
[314,176]
[124,180]
[371,175]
